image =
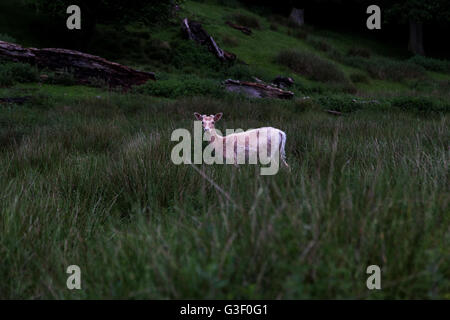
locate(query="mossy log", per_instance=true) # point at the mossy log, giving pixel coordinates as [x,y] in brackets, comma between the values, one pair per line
[257,90]
[83,66]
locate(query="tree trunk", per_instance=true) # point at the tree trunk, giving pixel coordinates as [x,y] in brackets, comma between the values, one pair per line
[297,17]
[416,37]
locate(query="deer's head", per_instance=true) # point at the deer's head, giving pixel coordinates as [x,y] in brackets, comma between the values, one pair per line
[208,121]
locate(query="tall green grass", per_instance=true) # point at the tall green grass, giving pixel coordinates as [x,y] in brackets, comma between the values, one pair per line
[89,181]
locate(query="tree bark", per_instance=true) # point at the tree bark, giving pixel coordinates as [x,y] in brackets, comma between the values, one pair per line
[416,38]
[83,66]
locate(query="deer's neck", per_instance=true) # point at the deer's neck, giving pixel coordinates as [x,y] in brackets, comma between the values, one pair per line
[215,137]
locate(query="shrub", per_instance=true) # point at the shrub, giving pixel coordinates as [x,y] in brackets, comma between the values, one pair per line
[359,52]
[311,65]
[319,44]
[182,86]
[341,103]
[11,73]
[431,63]
[64,78]
[246,20]
[421,105]
[359,77]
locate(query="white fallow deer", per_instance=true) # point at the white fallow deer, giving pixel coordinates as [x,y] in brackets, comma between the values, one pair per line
[246,144]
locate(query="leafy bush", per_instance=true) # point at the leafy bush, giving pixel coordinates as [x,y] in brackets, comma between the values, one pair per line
[65,78]
[341,103]
[421,105]
[359,52]
[7,38]
[359,77]
[311,65]
[246,20]
[431,63]
[181,86]
[11,73]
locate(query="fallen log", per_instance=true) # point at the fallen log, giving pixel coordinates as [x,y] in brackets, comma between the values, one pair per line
[243,29]
[83,66]
[256,90]
[194,31]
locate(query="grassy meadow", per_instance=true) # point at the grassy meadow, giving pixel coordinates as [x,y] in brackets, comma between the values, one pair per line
[86,176]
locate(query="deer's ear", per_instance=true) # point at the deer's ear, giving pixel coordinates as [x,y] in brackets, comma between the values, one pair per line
[218,116]
[198,116]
